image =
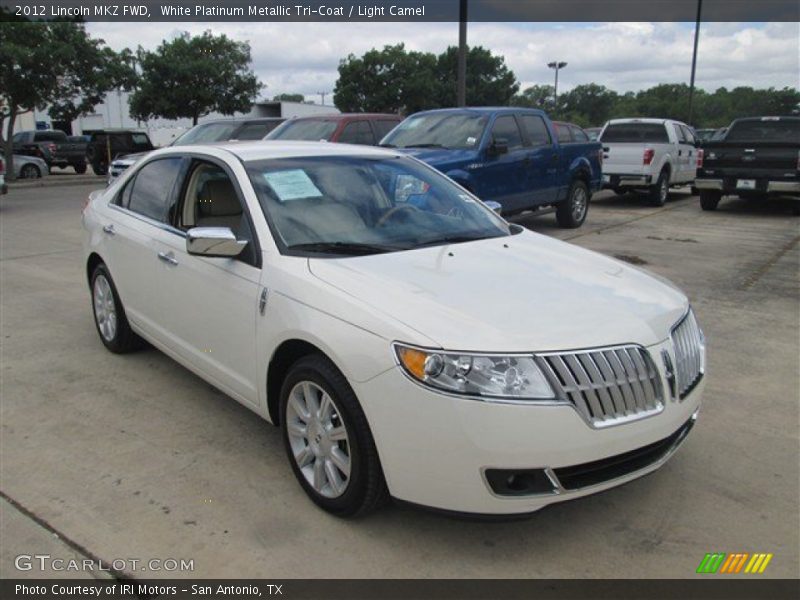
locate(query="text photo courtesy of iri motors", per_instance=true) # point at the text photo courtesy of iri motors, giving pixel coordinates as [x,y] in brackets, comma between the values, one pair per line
[428,299]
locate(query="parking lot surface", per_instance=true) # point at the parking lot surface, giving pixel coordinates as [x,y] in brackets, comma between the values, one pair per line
[119,457]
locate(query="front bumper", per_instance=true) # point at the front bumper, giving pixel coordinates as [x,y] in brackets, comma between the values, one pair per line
[435,449]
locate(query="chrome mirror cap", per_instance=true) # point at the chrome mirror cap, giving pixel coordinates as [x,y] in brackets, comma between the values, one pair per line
[213,241]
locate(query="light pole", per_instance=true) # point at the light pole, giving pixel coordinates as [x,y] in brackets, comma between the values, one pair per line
[694,59]
[461,91]
[557,66]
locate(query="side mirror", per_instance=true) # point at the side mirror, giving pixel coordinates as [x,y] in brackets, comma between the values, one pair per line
[213,241]
[499,146]
[495,206]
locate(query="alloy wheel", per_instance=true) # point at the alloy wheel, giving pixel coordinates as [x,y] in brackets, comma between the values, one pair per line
[578,203]
[105,311]
[318,439]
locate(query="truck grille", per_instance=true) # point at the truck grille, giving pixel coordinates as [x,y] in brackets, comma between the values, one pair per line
[607,386]
[687,340]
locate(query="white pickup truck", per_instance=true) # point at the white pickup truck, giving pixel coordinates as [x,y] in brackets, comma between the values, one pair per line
[648,154]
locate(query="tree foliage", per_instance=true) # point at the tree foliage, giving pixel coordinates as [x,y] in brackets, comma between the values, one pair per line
[190,77]
[289,98]
[394,79]
[55,64]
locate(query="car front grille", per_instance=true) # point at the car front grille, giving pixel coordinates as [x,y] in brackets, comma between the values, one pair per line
[607,386]
[687,340]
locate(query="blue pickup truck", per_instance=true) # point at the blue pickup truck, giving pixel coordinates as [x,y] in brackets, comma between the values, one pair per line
[516,157]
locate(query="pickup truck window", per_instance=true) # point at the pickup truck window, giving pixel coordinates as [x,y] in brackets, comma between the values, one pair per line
[310,130]
[762,131]
[50,136]
[505,127]
[357,132]
[687,133]
[537,130]
[679,133]
[635,133]
[453,130]
[563,134]
[578,134]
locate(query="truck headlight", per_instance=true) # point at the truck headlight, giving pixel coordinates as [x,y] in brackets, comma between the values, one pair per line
[515,377]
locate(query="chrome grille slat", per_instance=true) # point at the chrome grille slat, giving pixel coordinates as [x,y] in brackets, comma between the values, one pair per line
[688,347]
[608,385]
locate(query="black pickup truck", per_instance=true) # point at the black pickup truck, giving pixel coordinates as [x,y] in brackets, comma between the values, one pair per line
[52,146]
[756,158]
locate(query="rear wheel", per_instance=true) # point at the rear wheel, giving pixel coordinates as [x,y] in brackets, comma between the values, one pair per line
[328,440]
[80,168]
[109,315]
[30,171]
[571,213]
[660,191]
[709,199]
[100,168]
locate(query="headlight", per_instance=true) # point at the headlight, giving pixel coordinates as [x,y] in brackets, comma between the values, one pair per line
[515,377]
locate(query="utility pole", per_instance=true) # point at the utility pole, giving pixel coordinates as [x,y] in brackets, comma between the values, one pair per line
[694,59]
[557,66]
[462,54]
[322,95]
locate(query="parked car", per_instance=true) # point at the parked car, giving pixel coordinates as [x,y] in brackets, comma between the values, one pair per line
[357,128]
[428,351]
[107,144]
[593,132]
[509,156]
[53,147]
[222,130]
[648,154]
[3,186]
[757,157]
[29,167]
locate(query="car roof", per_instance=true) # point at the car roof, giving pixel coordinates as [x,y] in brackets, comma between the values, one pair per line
[267,149]
[484,110]
[346,117]
[242,120]
[643,120]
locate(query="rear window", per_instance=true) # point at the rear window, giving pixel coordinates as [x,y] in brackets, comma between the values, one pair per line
[255,131]
[50,136]
[765,131]
[309,130]
[635,133]
[209,132]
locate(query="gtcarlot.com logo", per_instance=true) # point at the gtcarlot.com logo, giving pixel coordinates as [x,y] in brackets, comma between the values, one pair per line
[737,562]
[45,562]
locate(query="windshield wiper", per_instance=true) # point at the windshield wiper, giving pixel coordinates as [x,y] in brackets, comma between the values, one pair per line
[350,248]
[423,146]
[455,239]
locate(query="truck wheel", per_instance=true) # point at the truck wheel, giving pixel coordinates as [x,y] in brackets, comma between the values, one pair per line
[80,168]
[571,213]
[709,199]
[660,191]
[619,191]
[100,168]
[30,172]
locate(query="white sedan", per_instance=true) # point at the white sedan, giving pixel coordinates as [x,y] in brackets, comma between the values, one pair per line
[407,340]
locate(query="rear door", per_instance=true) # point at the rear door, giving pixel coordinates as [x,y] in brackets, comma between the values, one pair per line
[691,142]
[542,159]
[505,176]
[682,155]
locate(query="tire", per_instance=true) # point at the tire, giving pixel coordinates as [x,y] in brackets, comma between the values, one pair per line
[30,171]
[660,191]
[109,315]
[100,168]
[619,191]
[709,199]
[694,191]
[351,492]
[80,168]
[571,213]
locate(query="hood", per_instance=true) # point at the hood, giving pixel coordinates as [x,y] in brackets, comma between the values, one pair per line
[521,293]
[130,158]
[439,157]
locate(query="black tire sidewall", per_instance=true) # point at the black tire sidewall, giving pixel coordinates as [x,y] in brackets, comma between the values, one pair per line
[322,372]
[655,193]
[118,344]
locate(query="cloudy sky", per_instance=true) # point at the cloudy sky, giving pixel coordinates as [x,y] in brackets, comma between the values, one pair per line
[302,57]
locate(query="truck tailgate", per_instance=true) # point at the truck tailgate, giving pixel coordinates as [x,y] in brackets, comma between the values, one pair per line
[623,159]
[755,159]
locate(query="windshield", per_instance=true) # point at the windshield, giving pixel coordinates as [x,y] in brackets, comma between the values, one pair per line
[356,205]
[438,130]
[210,132]
[765,130]
[635,133]
[308,130]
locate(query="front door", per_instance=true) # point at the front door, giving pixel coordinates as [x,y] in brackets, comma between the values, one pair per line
[504,176]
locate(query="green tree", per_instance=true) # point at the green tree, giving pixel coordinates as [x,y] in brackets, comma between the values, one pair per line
[387,80]
[588,104]
[289,98]
[489,81]
[194,76]
[55,64]
[535,96]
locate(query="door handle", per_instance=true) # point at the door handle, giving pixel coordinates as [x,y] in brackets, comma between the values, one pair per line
[168,257]
[109,229]
[680,152]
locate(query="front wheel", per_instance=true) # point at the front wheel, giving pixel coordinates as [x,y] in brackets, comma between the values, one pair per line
[100,168]
[30,171]
[328,440]
[709,199]
[571,213]
[109,315]
[80,168]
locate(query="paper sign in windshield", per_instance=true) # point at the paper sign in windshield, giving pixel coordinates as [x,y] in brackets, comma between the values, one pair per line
[292,184]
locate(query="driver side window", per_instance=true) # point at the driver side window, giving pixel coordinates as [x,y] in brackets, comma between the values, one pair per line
[210,199]
[505,128]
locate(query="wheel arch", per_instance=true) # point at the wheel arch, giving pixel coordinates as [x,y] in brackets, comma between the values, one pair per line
[285,355]
[91,264]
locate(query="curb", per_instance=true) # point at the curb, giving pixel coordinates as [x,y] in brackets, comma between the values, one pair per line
[55,181]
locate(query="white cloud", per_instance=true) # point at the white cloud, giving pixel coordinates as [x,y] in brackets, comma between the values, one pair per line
[303,57]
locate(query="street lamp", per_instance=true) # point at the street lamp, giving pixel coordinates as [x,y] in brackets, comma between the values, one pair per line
[557,66]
